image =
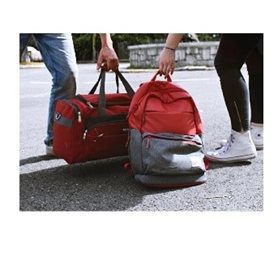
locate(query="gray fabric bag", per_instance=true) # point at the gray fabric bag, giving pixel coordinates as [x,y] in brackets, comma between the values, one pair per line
[167,159]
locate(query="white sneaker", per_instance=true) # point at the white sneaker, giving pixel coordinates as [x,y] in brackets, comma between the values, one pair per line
[257,134]
[239,147]
[49,150]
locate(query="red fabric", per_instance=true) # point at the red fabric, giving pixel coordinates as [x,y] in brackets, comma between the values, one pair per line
[207,163]
[101,140]
[161,106]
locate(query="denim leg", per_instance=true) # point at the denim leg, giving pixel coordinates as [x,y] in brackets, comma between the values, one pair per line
[23,41]
[59,57]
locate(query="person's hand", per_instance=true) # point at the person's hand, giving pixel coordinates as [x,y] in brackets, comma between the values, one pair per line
[108,59]
[166,62]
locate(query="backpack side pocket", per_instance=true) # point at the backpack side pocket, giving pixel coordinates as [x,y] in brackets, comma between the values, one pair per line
[172,154]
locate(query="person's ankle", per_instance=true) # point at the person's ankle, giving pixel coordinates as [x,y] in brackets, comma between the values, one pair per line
[253,124]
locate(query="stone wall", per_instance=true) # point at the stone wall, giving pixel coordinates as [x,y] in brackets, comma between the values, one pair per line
[187,54]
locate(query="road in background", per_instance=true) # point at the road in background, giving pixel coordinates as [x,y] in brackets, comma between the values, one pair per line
[104,185]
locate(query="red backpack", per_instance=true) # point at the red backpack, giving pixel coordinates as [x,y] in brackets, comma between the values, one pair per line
[165,144]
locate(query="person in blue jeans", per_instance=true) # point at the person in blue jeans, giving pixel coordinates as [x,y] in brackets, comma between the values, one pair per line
[58,54]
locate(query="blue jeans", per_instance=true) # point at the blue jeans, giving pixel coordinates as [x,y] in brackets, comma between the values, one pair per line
[58,54]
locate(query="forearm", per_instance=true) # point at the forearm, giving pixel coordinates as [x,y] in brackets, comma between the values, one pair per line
[173,40]
[106,40]
[166,59]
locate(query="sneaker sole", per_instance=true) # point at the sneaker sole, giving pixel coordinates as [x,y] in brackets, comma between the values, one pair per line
[232,159]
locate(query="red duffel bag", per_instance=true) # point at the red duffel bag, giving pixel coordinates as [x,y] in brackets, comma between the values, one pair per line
[92,126]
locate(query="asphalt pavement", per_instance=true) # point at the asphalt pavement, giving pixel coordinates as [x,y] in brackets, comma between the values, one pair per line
[50,184]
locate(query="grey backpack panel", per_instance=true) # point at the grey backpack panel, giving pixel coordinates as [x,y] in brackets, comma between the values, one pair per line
[170,157]
[135,151]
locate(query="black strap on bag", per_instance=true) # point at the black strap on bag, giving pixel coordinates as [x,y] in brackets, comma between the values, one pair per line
[101,80]
[117,82]
[118,76]
[102,100]
[96,85]
[127,86]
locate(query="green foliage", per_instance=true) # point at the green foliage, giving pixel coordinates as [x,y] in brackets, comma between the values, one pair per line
[208,37]
[122,41]
[32,42]
[133,39]
[87,46]
[83,44]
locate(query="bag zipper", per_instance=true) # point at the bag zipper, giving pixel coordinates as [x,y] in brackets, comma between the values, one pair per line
[85,101]
[188,138]
[75,108]
[94,105]
[88,128]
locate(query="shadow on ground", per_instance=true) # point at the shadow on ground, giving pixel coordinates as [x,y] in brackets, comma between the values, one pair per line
[84,187]
[105,185]
[35,159]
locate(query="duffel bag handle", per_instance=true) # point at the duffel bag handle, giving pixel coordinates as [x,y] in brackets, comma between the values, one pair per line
[101,80]
[93,90]
[127,86]
[96,85]
[118,75]
[102,100]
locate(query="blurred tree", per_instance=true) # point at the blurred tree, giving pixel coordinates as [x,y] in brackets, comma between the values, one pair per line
[83,46]
[208,37]
[87,46]
[122,41]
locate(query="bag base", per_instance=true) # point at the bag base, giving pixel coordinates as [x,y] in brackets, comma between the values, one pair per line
[171,181]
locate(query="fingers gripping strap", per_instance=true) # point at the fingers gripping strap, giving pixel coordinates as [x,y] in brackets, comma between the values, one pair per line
[169,79]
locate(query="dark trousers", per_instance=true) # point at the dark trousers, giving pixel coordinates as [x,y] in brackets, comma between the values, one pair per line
[235,50]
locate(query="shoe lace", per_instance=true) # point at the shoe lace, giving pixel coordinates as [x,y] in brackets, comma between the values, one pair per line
[227,145]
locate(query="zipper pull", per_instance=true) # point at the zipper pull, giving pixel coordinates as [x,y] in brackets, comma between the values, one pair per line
[148,142]
[85,134]
[128,140]
[79,116]
[90,104]
[143,118]
[98,136]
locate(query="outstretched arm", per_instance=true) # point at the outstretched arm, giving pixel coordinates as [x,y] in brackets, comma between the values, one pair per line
[166,60]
